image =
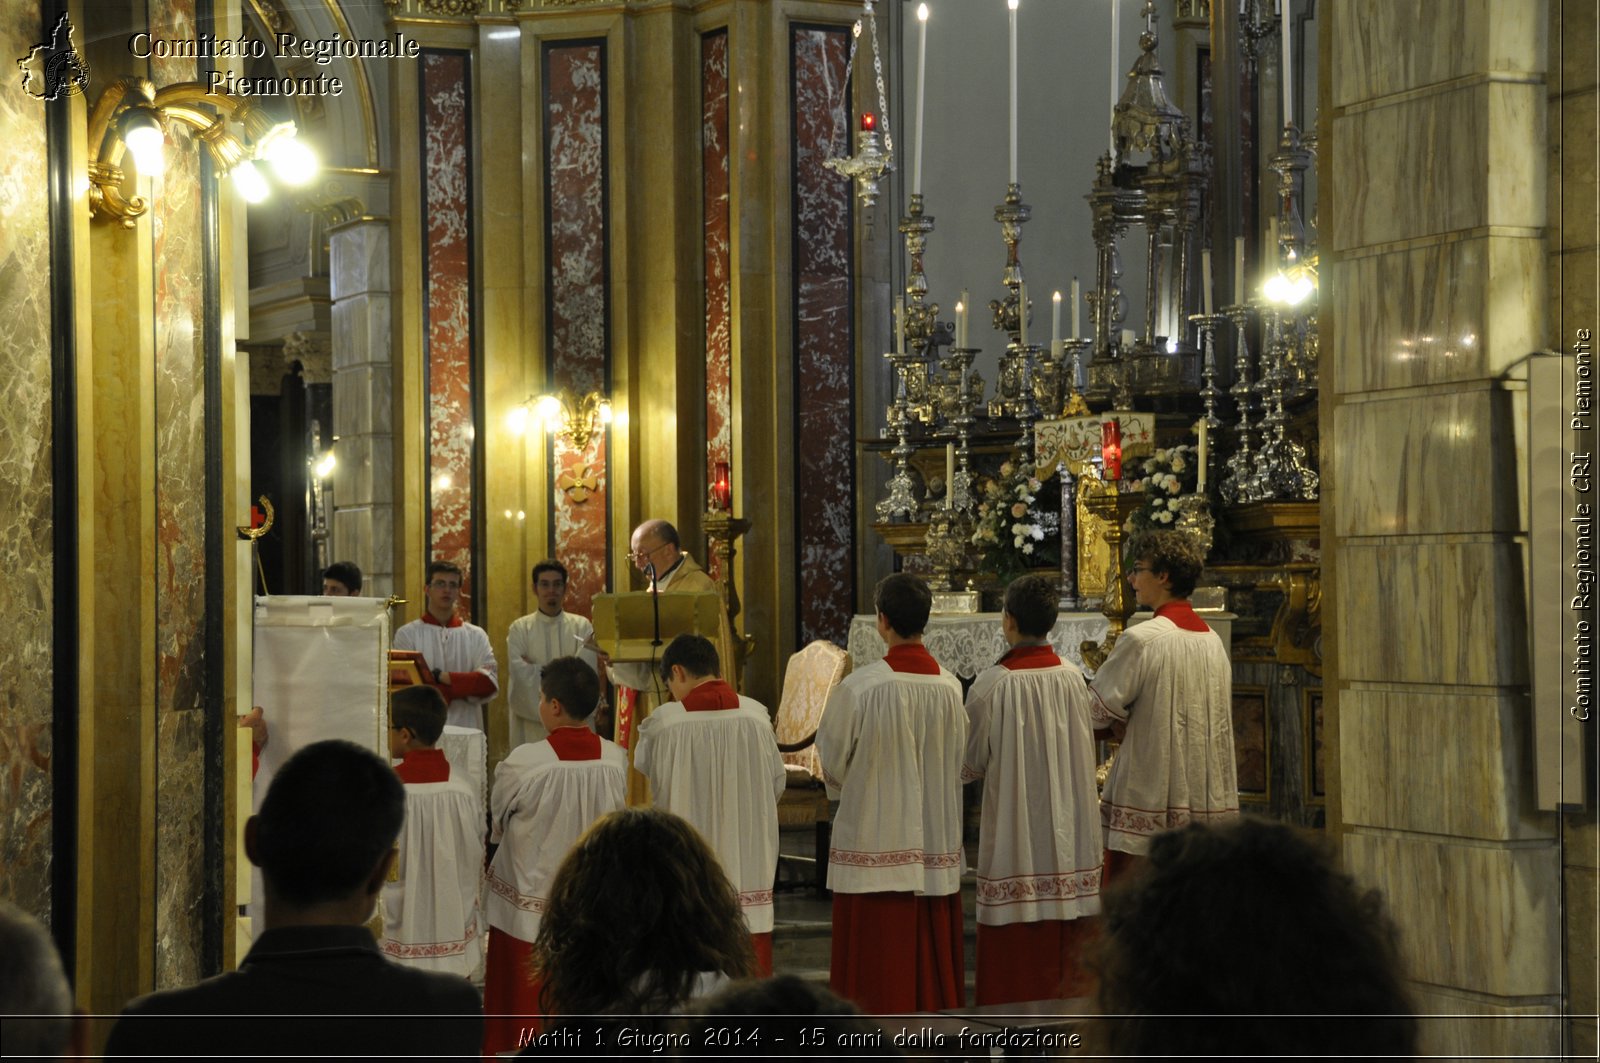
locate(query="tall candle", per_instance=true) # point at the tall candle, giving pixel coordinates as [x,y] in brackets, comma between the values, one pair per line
[1272,241]
[1200,485]
[949,475]
[1055,319]
[922,71]
[1076,297]
[961,319]
[1288,67]
[1012,4]
[900,326]
[1238,270]
[1022,314]
[1116,34]
[1205,278]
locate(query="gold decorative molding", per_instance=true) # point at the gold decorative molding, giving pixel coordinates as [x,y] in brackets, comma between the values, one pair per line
[580,485]
[905,539]
[1277,520]
[1110,508]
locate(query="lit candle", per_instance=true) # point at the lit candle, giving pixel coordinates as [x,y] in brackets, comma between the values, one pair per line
[1077,295]
[1200,486]
[1116,33]
[722,487]
[1288,67]
[1055,320]
[961,319]
[922,70]
[1012,4]
[949,475]
[1205,278]
[1111,449]
[1238,271]
[1022,314]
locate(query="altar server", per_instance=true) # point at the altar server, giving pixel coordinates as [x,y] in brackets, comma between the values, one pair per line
[1039,848]
[543,635]
[711,756]
[458,653]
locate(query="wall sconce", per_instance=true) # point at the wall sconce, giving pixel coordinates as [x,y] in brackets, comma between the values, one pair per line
[563,414]
[130,116]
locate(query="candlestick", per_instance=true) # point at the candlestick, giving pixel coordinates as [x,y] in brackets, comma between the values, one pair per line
[922,70]
[949,475]
[1116,33]
[1288,69]
[1202,428]
[1012,4]
[1022,313]
[1077,295]
[1238,271]
[1055,320]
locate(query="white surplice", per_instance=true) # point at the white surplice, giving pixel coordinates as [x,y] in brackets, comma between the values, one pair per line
[720,769]
[891,746]
[430,908]
[458,647]
[532,642]
[1176,763]
[539,806]
[1039,846]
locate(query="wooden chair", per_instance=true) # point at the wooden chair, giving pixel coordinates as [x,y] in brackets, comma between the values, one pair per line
[808,679]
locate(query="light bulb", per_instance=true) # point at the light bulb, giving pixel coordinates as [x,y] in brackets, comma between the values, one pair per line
[249,183]
[145,140]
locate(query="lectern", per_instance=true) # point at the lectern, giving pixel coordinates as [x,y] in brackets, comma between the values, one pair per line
[627,625]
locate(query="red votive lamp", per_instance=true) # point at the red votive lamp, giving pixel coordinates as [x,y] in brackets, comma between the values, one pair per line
[869,121]
[721,488]
[1111,449]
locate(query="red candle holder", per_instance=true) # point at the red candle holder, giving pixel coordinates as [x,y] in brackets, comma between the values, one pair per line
[1111,449]
[721,488]
[869,121]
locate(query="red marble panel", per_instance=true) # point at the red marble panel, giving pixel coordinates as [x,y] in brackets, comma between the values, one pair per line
[180,515]
[824,341]
[579,337]
[714,149]
[447,294]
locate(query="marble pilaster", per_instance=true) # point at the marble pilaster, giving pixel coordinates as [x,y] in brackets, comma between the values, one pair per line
[363,403]
[1434,203]
[26,522]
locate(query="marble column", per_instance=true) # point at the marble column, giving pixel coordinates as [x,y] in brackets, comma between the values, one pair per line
[363,405]
[1434,284]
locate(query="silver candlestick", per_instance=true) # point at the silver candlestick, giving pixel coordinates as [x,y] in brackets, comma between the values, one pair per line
[1241,466]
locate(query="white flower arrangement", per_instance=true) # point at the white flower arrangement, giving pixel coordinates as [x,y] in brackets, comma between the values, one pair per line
[1167,476]
[1011,529]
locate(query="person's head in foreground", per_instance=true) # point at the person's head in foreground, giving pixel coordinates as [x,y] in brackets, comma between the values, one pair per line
[1163,566]
[1227,927]
[35,1000]
[639,910]
[903,602]
[416,719]
[688,661]
[568,692]
[782,1016]
[324,838]
[1031,608]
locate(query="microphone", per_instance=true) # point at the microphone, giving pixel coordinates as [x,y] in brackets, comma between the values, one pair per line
[655,605]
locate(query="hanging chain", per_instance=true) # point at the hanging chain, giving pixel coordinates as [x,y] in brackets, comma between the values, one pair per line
[877,70]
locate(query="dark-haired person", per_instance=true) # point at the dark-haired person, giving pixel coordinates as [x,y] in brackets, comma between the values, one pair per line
[36,1013]
[1039,848]
[314,982]
[683,936]
[545,795]
[342,579]
[891,741]
[458,653]
[1169,683]
[543,635]
[1227,928]
[782,1016]
[712,757]
[430,905]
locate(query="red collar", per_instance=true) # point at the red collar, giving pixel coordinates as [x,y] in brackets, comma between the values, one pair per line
[1181,613]
[911,657]
[575,743]
[1020,657]
[423,765]
[428,618]
[716,694]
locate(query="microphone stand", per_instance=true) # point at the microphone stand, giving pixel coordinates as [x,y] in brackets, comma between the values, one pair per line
[655,606]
